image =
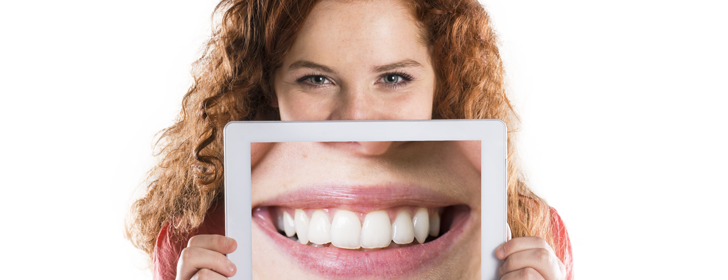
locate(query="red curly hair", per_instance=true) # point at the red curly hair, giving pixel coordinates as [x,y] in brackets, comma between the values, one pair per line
[233,81]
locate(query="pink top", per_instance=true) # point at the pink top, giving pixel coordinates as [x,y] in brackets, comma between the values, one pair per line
[167,249]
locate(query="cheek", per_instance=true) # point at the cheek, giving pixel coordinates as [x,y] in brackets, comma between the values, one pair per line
[292,105]
[299,106]
[420,107]
[304,108]
[414,105]
[425,98]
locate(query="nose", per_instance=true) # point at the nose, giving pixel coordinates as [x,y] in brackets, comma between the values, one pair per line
[375,148]
[356,103]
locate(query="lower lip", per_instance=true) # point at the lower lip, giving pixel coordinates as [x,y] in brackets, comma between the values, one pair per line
[339,263]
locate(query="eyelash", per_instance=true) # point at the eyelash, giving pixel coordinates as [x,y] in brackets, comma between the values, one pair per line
[303,80]
[406,78]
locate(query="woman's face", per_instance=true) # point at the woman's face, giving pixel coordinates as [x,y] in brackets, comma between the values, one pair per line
[357,61]
[363,210]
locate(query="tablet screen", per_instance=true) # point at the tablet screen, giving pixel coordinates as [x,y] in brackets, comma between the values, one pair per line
[375,210]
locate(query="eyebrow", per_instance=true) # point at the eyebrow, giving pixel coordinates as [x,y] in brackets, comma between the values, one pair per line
[382,68]
[308,64]
[400,64]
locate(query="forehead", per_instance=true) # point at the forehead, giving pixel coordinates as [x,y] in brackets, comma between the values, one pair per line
[356,31]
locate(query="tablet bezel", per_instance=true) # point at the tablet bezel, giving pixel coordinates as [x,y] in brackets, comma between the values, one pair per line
[240,134]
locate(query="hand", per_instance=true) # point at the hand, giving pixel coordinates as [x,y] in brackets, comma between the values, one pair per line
[529,258]
[204,258]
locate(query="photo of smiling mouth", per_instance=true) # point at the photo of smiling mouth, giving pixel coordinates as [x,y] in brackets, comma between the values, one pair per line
[326,210]
[364,232]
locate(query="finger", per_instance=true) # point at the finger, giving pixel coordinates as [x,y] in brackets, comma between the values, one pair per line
[543,261]
[519,244]
[206,274]
[194,259]
[214,242]
[523,274]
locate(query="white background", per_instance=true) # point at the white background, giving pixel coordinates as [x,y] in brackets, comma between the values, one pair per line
[622,103]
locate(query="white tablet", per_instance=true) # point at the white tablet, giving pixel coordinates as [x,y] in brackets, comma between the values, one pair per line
[378,199]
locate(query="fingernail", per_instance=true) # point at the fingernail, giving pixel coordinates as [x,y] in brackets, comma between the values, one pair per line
[230,242]
[501,251]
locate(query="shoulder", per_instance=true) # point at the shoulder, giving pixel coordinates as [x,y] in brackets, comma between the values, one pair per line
[166,253]
[169,246]
[562,242]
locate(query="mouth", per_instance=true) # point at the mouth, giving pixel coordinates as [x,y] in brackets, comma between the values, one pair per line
[364,232]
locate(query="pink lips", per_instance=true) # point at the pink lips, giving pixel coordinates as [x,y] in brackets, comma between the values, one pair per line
[332,262]
[362,199]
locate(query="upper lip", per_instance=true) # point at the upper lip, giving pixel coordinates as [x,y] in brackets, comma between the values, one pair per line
[362,199]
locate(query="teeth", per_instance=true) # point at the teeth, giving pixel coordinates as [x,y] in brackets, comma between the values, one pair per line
[302,225]
[435,224]
[345,230]
[319,230]
[376,231]
[288,224]
[402,228]
[421,223]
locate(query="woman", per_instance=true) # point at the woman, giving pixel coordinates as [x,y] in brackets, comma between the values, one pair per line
[337,60]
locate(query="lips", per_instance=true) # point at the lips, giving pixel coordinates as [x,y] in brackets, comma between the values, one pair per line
[347,250]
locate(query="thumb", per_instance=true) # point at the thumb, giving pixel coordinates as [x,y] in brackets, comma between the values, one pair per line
[508,228]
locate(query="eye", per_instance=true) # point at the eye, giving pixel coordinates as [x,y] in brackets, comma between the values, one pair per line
[317,80]
[392,78]
[395,79]
[314,81]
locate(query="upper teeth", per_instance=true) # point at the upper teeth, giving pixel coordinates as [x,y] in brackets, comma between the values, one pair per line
[403,231]
[288,224]
[319,230]
[348,232]
[377,230]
